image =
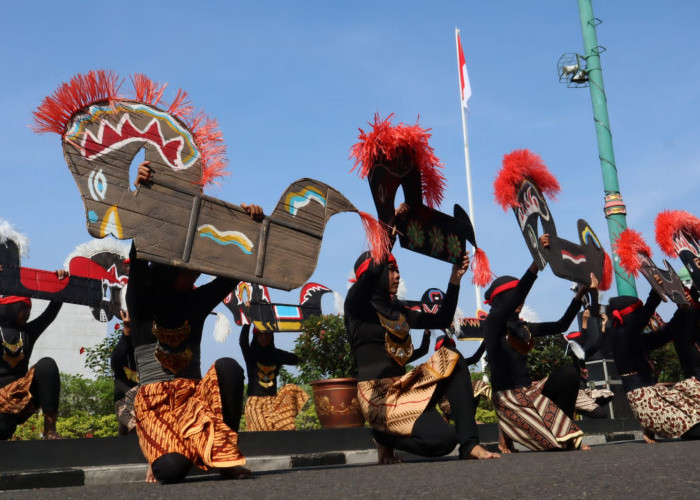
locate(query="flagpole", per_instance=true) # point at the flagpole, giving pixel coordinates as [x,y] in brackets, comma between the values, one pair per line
[467,165]
[477,289]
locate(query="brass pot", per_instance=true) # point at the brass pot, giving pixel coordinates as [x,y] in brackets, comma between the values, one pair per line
[336,403]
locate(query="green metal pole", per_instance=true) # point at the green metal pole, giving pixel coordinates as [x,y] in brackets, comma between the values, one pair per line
[615,209]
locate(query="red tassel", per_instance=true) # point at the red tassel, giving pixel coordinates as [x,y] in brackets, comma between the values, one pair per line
[517,166]
[670,222]
[146,90]
[181,107]
[481,268]
[377,237]
[629,245]
[606,281]
[387,142]
[56,110]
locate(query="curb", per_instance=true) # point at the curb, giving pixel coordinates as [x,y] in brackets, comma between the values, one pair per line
[133,473]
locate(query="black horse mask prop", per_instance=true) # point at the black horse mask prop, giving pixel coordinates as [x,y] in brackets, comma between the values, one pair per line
[98,273]
[678,234]
[393,156]
[469,328]
[635,258]
[522,184]
[250,304]
[170,220]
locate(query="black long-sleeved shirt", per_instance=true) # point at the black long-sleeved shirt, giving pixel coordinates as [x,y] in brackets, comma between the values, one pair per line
[29,334]
[509,368]
[686,340]
[631,347]
[367,335]
[123,362]
[149,304]
[263,364]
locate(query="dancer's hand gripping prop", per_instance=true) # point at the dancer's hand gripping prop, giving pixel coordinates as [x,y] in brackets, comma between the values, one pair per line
[170,219]
[522,184]
[635,258]
[399,156]
[97,273]
[678,234]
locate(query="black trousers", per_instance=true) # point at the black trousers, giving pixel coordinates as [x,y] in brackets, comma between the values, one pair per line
[173,467]
[45,390]
[562,388]
[431,436]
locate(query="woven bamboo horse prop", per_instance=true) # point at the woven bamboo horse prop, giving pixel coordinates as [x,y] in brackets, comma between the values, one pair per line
[97,274]
[250,304]
[678,234]
[172,221]
[393,156]
[635,258]
[520,185]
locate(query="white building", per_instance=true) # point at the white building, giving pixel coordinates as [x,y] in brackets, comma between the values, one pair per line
[75,327]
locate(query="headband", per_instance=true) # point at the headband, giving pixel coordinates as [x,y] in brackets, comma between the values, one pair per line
[501,288]
[618,314]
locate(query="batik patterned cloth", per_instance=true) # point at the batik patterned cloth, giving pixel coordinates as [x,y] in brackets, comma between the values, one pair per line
[533,420]
[125,409]
[394,404]
[586,398]
[15,398]
[275,413]
[668,411]
[185,416]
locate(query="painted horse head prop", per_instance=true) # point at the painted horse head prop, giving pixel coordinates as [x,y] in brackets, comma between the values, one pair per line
[110,259]
[97,274]
[522,184]
[393,156]
[250,304]
[171,221]
[469,328]
[635,257]
[678,234]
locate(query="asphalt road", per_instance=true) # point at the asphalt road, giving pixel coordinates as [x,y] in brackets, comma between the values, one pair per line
[625,470]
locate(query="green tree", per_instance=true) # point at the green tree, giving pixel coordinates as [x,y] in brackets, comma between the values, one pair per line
[667,366]
[547,355]
[97,357]
[324,349]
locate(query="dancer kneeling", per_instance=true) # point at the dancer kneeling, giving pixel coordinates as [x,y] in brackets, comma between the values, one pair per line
[182,418]
[401,406]
[538,415]
[24,390]
[668,412]
[266,409]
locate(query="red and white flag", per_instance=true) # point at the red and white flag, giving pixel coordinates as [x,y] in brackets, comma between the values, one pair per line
[464,87]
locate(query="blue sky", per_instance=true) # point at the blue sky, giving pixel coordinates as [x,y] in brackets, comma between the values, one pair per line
[291,82]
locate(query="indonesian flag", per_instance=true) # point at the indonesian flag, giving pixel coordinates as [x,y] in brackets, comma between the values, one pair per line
[464,87]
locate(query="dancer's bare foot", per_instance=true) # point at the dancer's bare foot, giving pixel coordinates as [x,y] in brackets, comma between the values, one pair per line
[385,455]
[584,447]
[150,478]
[52,435]
[648,436]
[481,453]
[237,472]
[505,444]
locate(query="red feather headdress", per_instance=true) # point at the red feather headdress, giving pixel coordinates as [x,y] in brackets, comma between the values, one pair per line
[670,222]
[517,166]
[83,90]
[628,246]
[387,142]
